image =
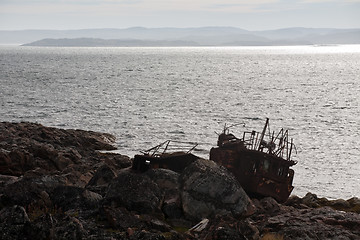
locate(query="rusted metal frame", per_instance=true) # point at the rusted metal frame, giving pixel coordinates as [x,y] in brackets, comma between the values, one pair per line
[181,147]
[263,133]
[282,143]
[156,150]
[227,128]
[167,144]
[192,148]
[287,146]
[248,142]
[243,138]
[291,146]
[252,141]
[269,132]
[252,138]
[256,141]
[272,142]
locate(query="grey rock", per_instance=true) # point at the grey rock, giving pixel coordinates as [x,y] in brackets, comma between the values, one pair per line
[210,189]
[169,182]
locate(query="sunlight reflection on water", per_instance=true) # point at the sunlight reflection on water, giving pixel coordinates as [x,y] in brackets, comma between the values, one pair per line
[145,96]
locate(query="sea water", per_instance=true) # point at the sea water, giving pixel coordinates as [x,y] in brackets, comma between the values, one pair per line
[145,96]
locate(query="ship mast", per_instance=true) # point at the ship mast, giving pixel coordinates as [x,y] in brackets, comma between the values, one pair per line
[263,133]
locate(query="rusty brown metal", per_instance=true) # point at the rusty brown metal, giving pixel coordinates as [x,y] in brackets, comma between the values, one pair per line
[261,167]
[169,155]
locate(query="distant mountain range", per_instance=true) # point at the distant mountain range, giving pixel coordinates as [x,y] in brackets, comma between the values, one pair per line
[204,36]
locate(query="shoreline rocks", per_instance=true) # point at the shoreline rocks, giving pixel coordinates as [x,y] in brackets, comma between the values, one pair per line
[55,184]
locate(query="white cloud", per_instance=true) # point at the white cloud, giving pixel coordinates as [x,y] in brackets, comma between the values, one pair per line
[253,13]
[43,6]
[188,5]
[112,6]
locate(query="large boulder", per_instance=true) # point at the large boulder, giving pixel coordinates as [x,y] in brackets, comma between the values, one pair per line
[210,189]
[135,191]
[169,183]
[30,190]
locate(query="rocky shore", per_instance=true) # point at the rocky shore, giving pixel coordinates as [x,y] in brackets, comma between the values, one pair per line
[56,184]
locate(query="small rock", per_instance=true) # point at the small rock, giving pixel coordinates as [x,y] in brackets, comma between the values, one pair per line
[12,222]
[121,219]
[15,215]
[69,228]
[103,176]
[339,204]
[311,200]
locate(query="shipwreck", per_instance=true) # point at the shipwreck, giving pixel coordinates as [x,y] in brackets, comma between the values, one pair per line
[260,161]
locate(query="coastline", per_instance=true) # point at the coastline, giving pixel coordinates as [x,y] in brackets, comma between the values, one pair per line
[57,183]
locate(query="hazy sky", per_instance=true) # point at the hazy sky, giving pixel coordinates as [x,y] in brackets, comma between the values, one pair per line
[249,14]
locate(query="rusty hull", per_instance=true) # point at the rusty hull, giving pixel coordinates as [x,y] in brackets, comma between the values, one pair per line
[262,167]
[257,172]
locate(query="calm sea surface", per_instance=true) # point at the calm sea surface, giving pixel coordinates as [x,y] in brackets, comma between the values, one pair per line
[145,96]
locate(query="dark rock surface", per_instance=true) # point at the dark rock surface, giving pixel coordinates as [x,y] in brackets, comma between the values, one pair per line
[135,191]
[299,221]
[169,183]
[54,184]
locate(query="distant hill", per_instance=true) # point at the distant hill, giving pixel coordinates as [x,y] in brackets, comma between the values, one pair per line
[205,36]
[96,42]
[314,35]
